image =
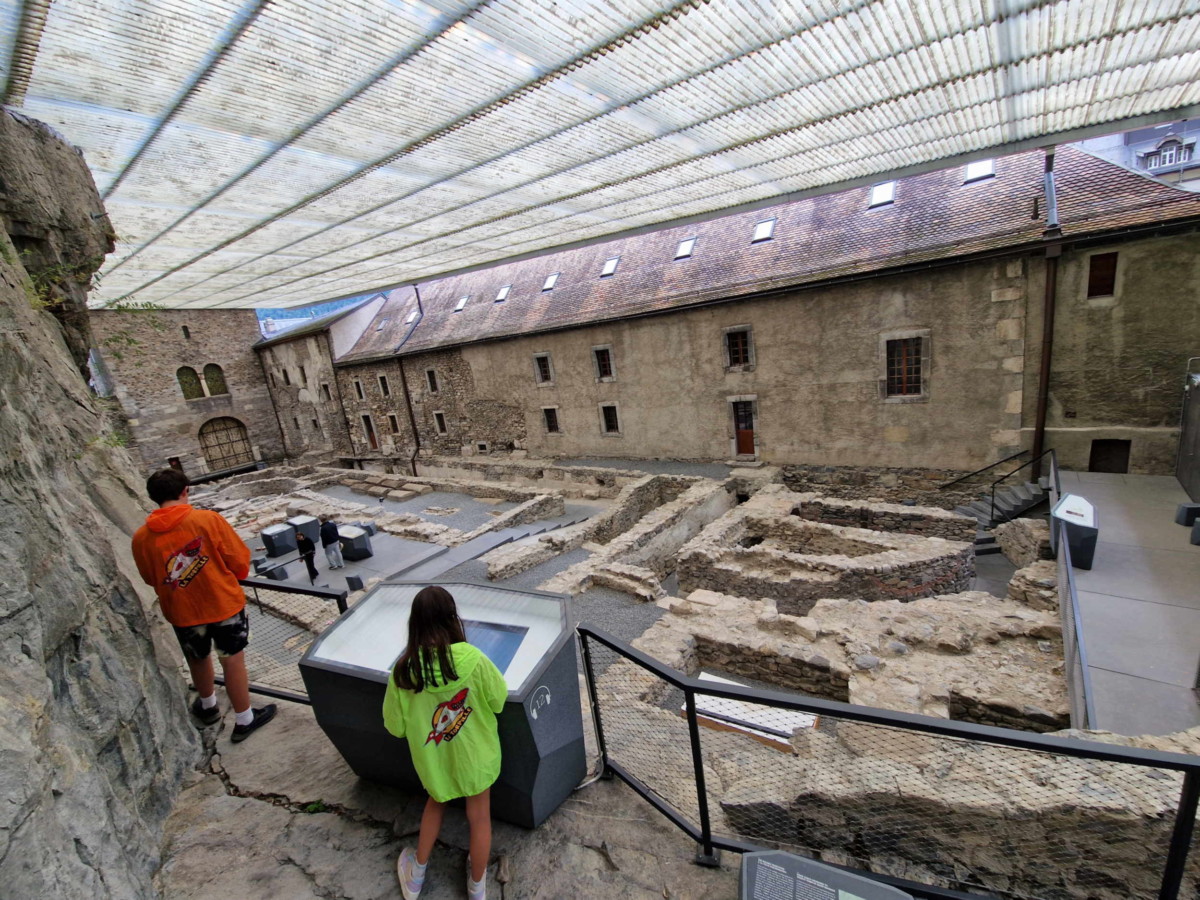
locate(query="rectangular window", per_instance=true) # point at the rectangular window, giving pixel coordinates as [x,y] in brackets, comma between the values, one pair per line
[462,302]
[384,387]
[481,447]
[1102,275]
[325,393]
[412,317]
[432,380]
[550,282]
[316,425]
[395,423]
[274,384]
[502,294]
[904,367]
[763,231]
[603,359]
[883,194]
[286,379]
[303,376]
[296,422]
[543,371]
[369,431]
[611,423]
[685,248]
[439,421]
[187,335]
[382,323]
[610,266]
[550,414]
[737,347]
[358,391]
[977,171]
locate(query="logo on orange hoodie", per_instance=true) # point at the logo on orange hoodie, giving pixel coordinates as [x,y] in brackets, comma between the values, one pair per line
[185,564]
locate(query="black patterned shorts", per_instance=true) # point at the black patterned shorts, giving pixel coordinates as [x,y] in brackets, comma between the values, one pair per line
[230,637]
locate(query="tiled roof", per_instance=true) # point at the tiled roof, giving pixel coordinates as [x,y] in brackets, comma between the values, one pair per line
[387,330]
[935,216]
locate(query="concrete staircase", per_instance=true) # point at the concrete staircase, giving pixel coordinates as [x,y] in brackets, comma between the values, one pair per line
[1011,501]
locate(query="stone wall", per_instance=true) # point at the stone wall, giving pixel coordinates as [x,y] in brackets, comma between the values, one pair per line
[1036,585]
[307,401]
[761,550]
[94,732]
[1024,541]
[591,482]
[144,349]
[923,520]
[893,485]
[387,412]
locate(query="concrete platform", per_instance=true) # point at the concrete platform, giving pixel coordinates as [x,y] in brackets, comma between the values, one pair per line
[1140,604]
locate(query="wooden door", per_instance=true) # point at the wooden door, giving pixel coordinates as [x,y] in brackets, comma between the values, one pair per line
[743,427]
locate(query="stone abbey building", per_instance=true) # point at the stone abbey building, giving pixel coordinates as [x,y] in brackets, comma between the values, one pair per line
[898,326]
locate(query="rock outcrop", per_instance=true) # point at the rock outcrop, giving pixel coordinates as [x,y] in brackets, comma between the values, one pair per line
[94,735]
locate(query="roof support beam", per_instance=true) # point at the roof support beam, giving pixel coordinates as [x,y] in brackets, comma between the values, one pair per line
[25,51]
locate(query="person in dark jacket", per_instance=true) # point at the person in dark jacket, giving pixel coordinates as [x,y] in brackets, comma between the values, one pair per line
[307,551]
[332,543]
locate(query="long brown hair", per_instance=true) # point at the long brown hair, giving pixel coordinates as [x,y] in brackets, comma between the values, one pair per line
[433,625]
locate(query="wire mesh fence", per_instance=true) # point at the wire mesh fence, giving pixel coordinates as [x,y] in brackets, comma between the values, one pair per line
[944,808]
[284,620]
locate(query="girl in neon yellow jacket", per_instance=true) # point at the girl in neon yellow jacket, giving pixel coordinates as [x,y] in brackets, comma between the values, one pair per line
[443,696]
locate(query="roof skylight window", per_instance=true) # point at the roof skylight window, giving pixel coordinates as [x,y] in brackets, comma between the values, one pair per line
[883,194]
[549,283]
[685,248]
[502,294]
[382,322]
[412,317]
[462,301]
[977,171]
[763,231]
[610,266]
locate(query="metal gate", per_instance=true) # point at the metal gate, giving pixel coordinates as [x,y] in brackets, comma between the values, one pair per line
[1187,467]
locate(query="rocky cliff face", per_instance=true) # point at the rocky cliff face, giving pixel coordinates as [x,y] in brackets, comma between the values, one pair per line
[94,737]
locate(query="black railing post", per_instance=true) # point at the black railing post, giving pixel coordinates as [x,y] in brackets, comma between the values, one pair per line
[992,514]
[1181,836]
[706,855]
[590,677]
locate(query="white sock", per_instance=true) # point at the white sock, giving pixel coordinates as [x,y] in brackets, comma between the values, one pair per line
[209,702]
[473,885]
[418,869]
[245,717]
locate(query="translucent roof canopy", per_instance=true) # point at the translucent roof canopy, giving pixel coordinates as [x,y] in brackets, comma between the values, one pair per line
[282,152]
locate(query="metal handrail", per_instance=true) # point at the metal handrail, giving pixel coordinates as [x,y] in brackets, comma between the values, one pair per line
[1033,462]
[701,833]
[1073,618]
[942,487]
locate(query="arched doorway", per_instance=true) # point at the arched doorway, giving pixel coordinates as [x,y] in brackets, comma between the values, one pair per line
[225,444]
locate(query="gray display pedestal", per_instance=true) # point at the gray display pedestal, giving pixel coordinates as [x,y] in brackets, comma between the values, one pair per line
[309,526]
[356,542]
[774,875]
[1082,528]
[529,637]
[279,540]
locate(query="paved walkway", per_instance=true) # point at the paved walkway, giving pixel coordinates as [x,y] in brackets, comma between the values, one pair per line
[1140,604]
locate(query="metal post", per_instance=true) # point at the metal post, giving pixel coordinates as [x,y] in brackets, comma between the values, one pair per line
[992,514]
[590,678]
[707,855]
[1181,836]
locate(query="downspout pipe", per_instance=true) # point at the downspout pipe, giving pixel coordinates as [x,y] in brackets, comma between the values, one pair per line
[1053,249]
[412,419]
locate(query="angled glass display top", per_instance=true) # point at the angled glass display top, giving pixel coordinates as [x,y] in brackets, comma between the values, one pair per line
[516,630]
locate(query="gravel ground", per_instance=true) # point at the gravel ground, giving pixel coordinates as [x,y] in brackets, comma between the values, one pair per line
[719,471]
[471,512]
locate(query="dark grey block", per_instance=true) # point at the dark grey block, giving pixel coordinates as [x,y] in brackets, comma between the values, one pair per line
[308,525]
[354,583]
[1196,533]
[1186,514]
[356,542]
[280,540]
[279,573]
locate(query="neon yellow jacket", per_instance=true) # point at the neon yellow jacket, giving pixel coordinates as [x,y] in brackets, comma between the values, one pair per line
[451,728]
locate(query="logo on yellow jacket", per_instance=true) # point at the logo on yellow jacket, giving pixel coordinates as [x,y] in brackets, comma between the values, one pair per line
[449,717]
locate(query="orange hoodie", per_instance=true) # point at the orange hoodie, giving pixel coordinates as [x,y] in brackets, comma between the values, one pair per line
[193,560]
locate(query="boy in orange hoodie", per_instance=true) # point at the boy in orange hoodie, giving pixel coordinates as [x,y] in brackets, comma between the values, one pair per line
[193,559]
